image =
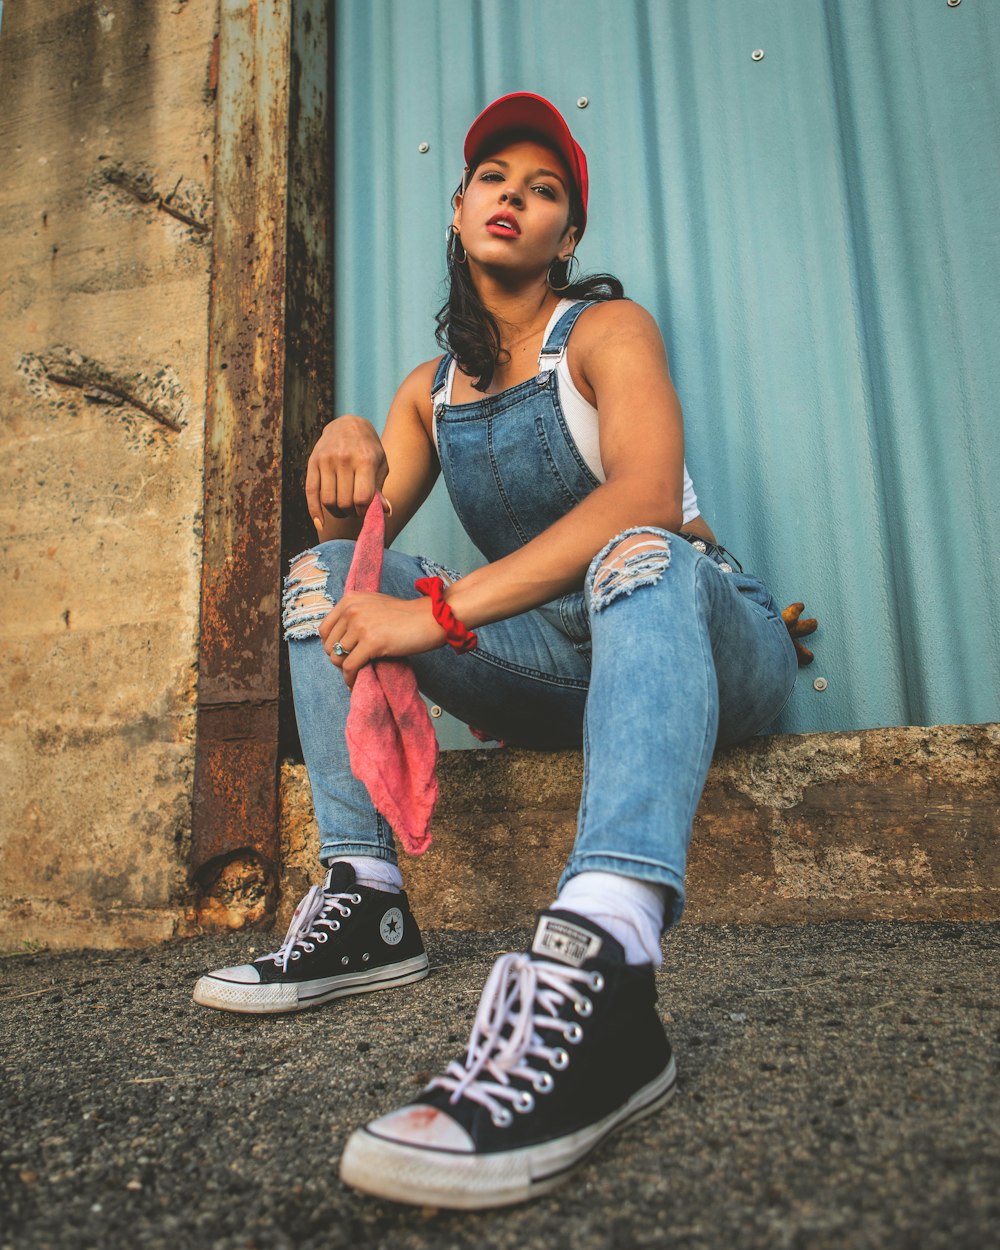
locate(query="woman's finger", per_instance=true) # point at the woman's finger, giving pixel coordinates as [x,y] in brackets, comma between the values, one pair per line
[352,664]
[328,486]
[364,489]
[333,630]
[345,490]
[329,622]
[336,483]
[312,493]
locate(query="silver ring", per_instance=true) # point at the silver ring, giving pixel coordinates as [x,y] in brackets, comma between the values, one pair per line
[339,650]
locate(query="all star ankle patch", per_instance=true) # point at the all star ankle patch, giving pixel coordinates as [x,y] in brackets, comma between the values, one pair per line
[564,941]
[391,926]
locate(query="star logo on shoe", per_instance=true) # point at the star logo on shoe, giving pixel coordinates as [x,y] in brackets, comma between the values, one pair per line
[391,926]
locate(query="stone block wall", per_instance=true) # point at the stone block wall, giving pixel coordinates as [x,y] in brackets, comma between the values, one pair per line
[889,824]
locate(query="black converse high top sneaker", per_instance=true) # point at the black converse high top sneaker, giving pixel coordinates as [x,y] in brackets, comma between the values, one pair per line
[344,939]
[566,1047]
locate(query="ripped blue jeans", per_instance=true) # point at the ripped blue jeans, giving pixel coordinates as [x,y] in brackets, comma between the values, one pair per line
[664,653]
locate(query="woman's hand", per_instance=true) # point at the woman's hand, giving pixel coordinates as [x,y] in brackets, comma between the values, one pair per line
[799,628]
[346,467]
[370,626]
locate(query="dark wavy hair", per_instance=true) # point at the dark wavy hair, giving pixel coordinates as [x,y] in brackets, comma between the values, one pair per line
[467,329]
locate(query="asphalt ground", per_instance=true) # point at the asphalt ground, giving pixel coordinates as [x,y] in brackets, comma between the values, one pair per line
[838,1088]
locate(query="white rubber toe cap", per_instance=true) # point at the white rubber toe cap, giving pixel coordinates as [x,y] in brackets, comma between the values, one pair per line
[418,1125]
[243,974]
[239,989]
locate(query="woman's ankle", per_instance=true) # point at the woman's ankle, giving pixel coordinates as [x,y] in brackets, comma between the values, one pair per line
[373,872]
[630,910]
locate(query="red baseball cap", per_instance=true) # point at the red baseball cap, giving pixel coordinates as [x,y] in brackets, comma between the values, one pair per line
[524,111]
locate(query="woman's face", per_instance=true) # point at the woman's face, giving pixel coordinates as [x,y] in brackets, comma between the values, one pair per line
[514,214]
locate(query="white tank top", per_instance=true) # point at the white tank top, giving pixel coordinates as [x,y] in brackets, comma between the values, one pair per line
[581,417]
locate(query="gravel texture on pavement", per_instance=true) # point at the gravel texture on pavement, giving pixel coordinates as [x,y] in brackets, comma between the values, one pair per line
[838,1088]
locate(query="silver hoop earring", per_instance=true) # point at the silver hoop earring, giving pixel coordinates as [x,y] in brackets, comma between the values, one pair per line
[454,241]
[571,274]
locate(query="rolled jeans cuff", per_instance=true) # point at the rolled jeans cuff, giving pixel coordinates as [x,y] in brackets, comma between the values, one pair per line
[639,870]
[329,850]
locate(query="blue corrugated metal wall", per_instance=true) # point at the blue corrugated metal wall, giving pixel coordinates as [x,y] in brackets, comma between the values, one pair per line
[816,232]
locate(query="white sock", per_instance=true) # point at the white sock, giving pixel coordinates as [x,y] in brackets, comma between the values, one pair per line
[629,909]
[376,874]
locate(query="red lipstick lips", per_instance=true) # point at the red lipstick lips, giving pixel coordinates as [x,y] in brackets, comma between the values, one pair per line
[503,224]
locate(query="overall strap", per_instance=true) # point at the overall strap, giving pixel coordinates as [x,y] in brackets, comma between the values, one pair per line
[555,345]
[441,376]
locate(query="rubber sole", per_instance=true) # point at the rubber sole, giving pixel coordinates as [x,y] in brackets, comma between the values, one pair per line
[468,1182]
[266,1000]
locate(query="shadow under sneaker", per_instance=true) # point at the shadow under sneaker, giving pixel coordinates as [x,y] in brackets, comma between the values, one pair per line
[567,1047]
[344,938]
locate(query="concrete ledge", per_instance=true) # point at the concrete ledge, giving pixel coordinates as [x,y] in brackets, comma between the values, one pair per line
[882,825]
[899,823]
[53,924]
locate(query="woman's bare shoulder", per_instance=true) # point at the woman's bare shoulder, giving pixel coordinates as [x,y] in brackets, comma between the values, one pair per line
[617,316]
[416,387]
[616,331]
[421,378]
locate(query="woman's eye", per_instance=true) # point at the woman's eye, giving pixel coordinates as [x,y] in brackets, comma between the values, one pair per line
[547,191]
[490,175]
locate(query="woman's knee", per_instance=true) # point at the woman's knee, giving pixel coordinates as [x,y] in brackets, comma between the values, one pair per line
[635,559]
[316,579]
[314,583]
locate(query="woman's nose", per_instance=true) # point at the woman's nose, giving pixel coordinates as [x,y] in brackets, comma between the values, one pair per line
[512,194]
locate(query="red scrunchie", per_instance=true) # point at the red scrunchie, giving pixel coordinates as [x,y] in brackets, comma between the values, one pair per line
[456,634]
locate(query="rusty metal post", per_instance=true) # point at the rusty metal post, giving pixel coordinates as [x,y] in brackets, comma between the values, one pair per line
[310,317]
[253,379]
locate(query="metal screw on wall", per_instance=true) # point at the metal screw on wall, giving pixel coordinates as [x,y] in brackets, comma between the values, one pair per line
[952,4]
[424,147]
[757,54]
[820,684]
[582,102]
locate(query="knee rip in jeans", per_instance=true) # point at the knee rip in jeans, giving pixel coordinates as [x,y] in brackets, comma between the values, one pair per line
[305,601]
[431,568]
[638,557]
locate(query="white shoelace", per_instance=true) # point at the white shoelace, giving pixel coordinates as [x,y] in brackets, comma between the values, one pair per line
[522,997]
[311,923]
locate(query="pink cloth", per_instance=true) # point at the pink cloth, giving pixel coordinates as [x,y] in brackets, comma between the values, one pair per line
[390,739]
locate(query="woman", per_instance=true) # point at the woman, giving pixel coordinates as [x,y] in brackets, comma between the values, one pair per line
[606,615]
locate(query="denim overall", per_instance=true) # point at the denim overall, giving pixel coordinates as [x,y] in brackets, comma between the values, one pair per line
[647,666]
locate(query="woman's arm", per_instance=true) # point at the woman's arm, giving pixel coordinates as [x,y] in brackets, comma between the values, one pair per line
[700,528]
[350,462]
[620,352]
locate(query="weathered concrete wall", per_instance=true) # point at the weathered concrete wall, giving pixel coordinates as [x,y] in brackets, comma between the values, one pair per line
[107,135]
[885,824]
